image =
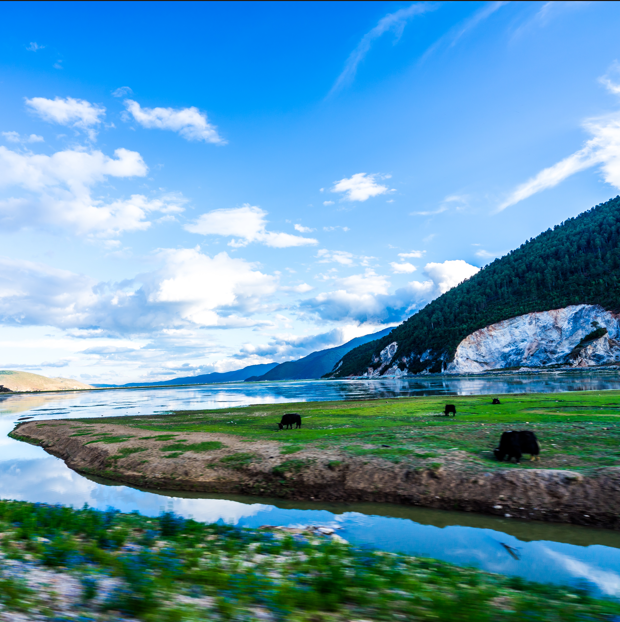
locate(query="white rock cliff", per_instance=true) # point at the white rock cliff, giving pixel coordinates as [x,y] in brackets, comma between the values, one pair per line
[542,339]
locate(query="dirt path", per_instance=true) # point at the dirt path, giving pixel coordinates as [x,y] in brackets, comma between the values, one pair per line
[223,463]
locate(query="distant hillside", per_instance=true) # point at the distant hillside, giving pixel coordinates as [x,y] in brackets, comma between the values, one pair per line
[576,262]
[229,376]
[24,381]
[317,364]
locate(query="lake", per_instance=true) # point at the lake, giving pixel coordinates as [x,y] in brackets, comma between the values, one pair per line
[536,551]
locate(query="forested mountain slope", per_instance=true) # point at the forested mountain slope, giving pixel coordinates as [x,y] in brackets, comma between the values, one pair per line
[576,262]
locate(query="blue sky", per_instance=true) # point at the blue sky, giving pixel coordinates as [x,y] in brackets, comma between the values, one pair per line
[187,188]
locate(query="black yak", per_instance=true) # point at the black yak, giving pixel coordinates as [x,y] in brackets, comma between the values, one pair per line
[289,420]
[516,443]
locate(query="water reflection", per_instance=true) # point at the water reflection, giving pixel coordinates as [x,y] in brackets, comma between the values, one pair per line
[536,551]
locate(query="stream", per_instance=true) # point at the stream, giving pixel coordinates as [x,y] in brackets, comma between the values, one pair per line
[536,551]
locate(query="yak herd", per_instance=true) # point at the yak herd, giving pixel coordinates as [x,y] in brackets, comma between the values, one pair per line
[512,444]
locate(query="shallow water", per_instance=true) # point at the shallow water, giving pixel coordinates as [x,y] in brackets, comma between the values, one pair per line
[536,551]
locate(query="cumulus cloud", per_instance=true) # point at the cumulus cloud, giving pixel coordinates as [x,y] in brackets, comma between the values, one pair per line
[392,22]
[190,123]
[328,202]
[366,298]
[76,113]
[188,289]
[360,187]
[34,47]
[247,224]
[403,267]
[602,150]
[303,229]
[14,137]
[55,192]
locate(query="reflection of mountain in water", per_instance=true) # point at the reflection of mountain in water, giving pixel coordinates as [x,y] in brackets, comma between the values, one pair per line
[22,403]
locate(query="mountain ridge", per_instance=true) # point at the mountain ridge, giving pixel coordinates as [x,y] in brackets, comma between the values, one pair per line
[316,364]
[574,263]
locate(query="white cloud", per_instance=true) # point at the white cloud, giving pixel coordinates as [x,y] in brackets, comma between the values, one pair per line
[453,36]
[547,12]
[14,137]
[393,22]
[439,210]
[487,254]
[608,79]
[190,123]
[449,274]
[55,192]
[412,255]
[303,229]
[77,113]
[454,201]
[365,297]
[189,289]
[344,258]
[122,91]
[602,150]
[402,268]
[328,202]
[360,187]
[302,288]
[335,228]
[248,224]
[34,46]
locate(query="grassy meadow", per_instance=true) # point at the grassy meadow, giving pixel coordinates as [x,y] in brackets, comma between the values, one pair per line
[577,430]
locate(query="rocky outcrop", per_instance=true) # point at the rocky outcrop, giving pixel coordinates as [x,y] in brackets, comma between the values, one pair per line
[382,362]
[577,336]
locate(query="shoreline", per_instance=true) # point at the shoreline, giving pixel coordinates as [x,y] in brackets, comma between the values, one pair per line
[525,372]
[203,462]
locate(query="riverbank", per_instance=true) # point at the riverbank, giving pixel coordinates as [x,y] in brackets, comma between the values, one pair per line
[399,451]
[60,563]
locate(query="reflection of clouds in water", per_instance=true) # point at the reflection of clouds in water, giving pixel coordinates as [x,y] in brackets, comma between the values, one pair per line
[50,481]
[47,480]
[607,581]
[212,510]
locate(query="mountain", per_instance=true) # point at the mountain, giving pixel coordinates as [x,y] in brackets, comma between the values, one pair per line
[229,376]
[25,381]
[576,263]
[317,364]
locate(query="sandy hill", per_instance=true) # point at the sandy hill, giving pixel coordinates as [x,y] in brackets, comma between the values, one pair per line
[24,381]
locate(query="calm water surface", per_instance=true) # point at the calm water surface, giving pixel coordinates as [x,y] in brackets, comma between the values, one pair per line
[537,551]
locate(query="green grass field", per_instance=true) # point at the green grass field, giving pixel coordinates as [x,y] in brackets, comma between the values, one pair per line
[578,430]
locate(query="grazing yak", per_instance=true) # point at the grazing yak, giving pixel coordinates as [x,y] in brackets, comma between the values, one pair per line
[289,420]
[516,443]
[450,410]
[496,401]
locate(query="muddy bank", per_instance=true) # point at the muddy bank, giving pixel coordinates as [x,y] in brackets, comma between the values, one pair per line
[221,463]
